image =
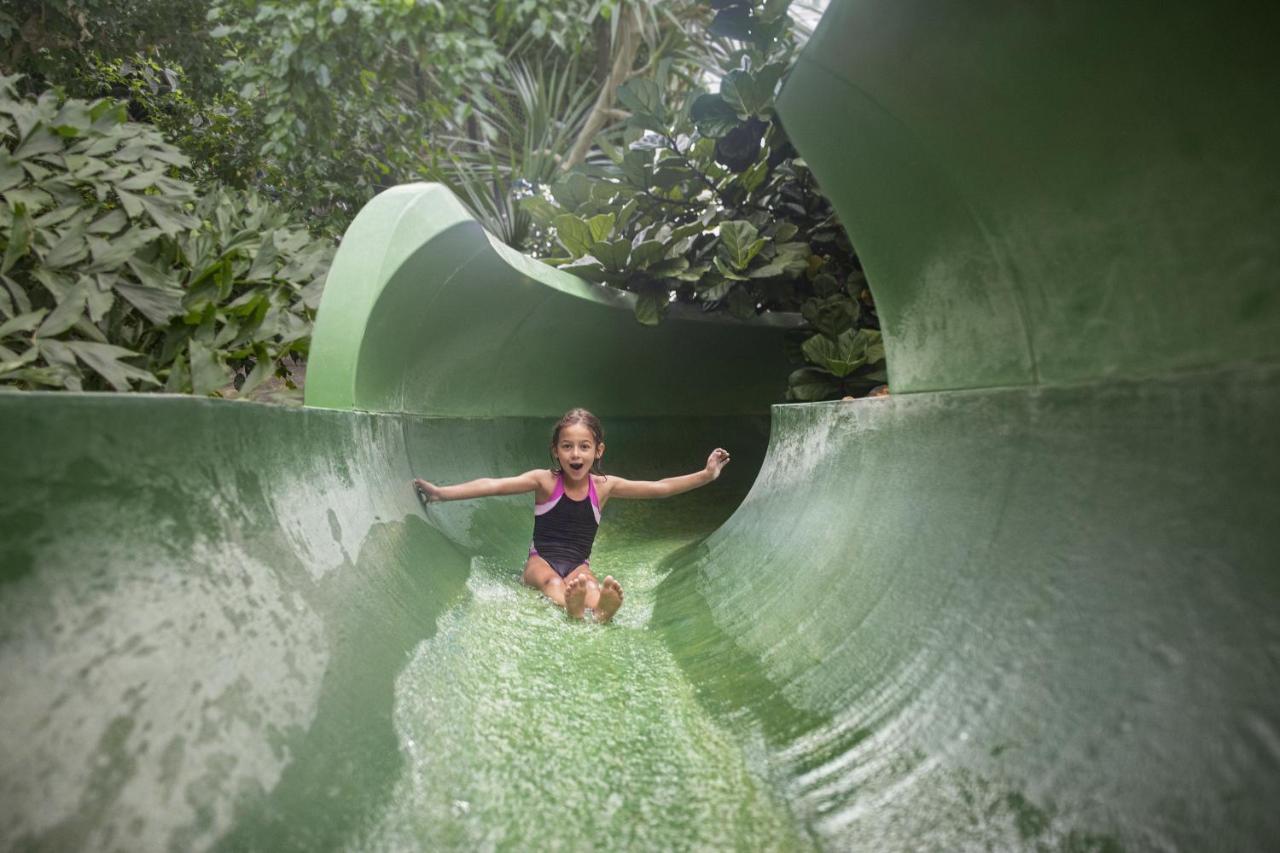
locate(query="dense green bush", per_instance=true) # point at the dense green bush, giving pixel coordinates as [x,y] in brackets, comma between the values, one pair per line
[116,274]
[55,42]
[702,199]
[220,133]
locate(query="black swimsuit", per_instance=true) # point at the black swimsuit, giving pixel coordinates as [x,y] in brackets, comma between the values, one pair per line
[564,529]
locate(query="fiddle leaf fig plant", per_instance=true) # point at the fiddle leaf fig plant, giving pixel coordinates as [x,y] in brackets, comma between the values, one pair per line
[699,197]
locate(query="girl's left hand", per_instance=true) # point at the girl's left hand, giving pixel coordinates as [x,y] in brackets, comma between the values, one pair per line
[427,492]
[717,460]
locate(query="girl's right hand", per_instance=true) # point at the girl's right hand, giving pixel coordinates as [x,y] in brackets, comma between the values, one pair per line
[427,492]
[717,460]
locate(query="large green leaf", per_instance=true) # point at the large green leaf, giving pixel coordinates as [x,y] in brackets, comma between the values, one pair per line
[19,238]
[831,316]
[647,252]
[132,204]
[156,304]
[680,269]
[11,289]
[73,119]
[783,231]
[23,323]
[726,271]
[747,93]
[613,254]
[587,267]
[208,372]
[649,308]
[572,192]
[753,178]
[691,229]
[264,260]
[766,82]
[714,289]
[713,116]
[11,174]
[167,215]
[262,370]
[34,198]
[10,365]
[58,352]
[574,234]
[52,377]
[70,248]
[601,226]
[105,360]
[109,223]
[67,311]
[808,385]
[100,297]
[41,140]
[739,243]
[643,98]
[637,167]
[842,356]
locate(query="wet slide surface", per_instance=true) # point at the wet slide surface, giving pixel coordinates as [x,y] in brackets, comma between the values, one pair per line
[1027,602]
[268,645]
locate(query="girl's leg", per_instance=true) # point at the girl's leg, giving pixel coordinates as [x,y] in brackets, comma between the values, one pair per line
[569,593]
[539,575]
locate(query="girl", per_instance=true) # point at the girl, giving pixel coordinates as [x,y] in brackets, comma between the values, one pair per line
[568,499]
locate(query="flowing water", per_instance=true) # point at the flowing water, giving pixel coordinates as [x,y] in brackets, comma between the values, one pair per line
[522,729]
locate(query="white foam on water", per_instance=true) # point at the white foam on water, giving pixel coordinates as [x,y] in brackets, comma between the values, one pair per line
[523,730]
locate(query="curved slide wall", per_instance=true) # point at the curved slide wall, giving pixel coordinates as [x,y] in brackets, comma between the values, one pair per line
[1030,600]
[1027,602]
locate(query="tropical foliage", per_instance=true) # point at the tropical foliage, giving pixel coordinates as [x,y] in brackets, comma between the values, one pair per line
[115,275]
[700,198]
[161,162]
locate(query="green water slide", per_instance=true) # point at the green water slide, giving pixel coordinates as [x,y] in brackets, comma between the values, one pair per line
[1027,602]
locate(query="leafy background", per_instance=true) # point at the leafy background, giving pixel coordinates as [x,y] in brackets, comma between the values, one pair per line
[176,177]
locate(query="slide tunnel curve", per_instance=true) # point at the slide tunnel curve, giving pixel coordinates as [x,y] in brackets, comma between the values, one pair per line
[1026,602]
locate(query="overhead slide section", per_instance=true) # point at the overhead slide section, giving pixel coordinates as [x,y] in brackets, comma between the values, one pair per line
[426,313]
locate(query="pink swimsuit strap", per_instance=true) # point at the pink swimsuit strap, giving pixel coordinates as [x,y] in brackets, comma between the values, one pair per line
[558,492]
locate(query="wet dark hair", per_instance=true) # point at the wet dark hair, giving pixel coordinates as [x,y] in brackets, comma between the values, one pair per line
[572,417]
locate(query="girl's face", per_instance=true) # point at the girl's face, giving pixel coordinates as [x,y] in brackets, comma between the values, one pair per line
[576,450]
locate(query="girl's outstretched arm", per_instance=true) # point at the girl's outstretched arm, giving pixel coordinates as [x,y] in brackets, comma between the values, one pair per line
[620,488]
[482,488]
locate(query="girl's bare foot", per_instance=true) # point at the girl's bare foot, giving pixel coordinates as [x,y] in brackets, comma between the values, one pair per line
[610,599]
[575,597]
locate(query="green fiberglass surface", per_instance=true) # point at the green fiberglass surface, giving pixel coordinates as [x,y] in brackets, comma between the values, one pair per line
[1027,602]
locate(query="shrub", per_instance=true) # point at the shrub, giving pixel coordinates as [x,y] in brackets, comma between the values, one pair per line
[702,199]
[119,273]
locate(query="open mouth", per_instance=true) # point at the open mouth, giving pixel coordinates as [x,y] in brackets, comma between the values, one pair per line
[577,466]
